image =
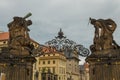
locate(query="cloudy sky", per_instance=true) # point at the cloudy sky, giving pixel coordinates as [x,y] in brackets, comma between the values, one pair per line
[72,16]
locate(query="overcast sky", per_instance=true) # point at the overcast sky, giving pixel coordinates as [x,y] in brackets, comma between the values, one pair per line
[72,16]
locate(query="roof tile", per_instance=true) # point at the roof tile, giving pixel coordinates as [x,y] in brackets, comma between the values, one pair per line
[4,35]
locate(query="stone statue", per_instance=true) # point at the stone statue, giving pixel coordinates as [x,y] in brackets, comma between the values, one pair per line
[19,40]
[103,38]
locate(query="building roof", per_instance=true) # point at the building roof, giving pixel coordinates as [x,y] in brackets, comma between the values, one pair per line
[4,36]
[48,49]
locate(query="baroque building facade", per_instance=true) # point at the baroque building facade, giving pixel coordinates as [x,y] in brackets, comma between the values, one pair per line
[73,67]
[60,67]
[50,66]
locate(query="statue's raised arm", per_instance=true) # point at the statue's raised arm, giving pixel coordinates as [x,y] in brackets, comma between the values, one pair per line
[103,38]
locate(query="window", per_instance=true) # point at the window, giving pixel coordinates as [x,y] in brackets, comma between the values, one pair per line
[53,69]
[59,78]
[4,42]
[39,68]
[43,62]
[75,68]
[35,66]
[48,62]
[53,62]
[62,70]
[93,71]
[39,61]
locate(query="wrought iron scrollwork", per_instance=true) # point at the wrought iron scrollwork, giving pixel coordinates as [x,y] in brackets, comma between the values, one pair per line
[82,50]
[61,43]
[37,52]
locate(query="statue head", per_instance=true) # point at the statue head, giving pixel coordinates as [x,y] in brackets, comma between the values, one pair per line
[19,40]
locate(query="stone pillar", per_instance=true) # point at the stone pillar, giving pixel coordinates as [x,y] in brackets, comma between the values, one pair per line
[17,68]
[104,65]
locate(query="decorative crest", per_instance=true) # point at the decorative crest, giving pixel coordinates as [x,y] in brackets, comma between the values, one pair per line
[60,34]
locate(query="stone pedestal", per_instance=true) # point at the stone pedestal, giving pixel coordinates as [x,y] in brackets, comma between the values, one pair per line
[16,68]
[104,65]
